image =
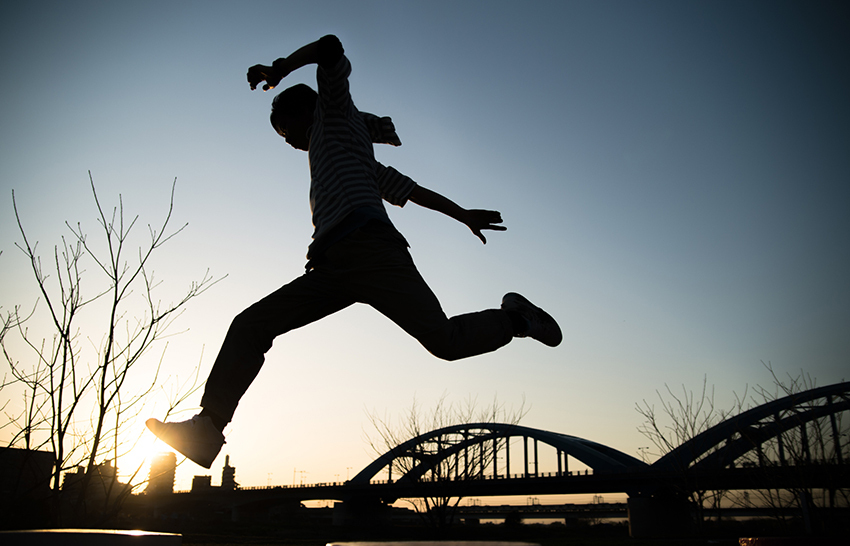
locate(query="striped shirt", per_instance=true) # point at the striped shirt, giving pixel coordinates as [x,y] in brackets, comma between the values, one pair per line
[344,175]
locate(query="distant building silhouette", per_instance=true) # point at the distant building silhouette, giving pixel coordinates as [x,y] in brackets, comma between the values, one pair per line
[104,483]
[201,484]
[25,473]
[161,478]
[228,476]
[24,487]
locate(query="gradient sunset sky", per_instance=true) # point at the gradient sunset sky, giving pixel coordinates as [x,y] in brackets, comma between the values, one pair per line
[674,176]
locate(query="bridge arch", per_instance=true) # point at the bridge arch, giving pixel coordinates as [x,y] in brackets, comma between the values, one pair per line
[749,430]
[714,450]
[426,451]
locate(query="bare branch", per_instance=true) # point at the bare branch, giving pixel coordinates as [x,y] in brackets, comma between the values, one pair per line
[63,380]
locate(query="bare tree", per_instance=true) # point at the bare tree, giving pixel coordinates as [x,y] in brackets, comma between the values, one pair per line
[9,321]
[682,418]
[72,375]
[809,446]
[805,438]
[469,464]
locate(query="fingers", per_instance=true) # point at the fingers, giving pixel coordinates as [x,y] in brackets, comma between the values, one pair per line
[491,227]
[492,221]
[484,219]
[259,73]
[255,76]
[480,235]
[491,217]
[271,81]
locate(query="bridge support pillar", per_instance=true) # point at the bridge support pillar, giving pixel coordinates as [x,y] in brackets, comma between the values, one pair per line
[660,517]
[361,513]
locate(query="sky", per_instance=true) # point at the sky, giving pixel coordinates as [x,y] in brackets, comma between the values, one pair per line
[674,177]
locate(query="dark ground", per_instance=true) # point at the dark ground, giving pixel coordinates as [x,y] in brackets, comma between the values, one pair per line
[544,535]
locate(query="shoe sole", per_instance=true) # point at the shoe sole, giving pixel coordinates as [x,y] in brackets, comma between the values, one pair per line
[520,301]
[159,430]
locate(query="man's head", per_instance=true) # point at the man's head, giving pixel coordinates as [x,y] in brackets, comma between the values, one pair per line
[292,115]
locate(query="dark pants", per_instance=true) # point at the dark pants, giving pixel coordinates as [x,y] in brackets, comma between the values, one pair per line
[372,266]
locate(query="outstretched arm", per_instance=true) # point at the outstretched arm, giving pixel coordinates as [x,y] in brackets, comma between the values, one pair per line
[327,49]
[475,219]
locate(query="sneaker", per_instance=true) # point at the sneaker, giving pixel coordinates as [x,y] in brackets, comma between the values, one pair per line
[197,438]
[541,326]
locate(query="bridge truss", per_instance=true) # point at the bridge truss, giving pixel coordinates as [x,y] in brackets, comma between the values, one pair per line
[473,451]
[797,430]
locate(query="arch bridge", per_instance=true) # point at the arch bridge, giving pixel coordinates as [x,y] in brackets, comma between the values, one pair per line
[783,433]
[796,442]
[473,451]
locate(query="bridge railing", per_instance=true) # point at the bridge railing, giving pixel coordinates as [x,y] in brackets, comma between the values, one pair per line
[487,477]
[299,486]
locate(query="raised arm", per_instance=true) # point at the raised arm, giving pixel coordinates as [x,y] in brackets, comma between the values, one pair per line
[475,219]
[323,51]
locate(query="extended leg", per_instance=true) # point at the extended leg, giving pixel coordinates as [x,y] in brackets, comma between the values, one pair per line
[304,300]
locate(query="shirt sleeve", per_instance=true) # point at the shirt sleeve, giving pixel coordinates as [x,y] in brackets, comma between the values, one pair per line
[395,187]
[332,81]
[333,86]
[381,130]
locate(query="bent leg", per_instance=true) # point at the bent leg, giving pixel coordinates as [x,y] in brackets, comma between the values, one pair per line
[462,336]
[387,279]
[306,299]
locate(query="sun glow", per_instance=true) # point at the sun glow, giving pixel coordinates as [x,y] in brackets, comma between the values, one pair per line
[134,464]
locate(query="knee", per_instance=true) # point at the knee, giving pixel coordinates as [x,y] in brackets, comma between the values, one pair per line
[442,350]
[446,355]
[251,331]
[242,323]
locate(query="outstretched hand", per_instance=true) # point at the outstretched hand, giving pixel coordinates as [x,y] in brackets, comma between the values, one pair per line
[261,73]
[477,220]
